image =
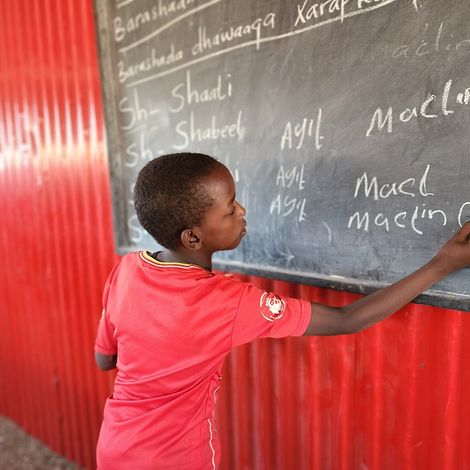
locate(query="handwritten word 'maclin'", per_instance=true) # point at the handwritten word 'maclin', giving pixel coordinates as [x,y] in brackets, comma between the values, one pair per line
[380,120]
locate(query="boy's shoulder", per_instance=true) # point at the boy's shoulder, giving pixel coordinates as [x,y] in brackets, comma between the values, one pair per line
[142,260]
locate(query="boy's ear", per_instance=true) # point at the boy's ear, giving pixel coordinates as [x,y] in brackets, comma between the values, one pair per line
[191,238]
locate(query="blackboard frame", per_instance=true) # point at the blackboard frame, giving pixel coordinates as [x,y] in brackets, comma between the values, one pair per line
[434,299]
[113,150]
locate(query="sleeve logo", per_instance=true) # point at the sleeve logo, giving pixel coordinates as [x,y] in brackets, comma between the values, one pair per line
[272,307]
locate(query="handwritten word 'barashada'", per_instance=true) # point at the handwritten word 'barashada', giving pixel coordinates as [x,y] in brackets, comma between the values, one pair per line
[123,26]
[152,62]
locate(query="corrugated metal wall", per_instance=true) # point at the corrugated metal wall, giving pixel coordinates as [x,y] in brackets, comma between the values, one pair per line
[393,397]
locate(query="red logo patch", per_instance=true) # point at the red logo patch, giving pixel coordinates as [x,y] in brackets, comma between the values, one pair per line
[272,307]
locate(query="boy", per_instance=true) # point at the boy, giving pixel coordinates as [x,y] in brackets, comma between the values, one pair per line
[168,321]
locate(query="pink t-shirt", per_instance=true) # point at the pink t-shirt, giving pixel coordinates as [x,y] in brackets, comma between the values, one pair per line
[171,326]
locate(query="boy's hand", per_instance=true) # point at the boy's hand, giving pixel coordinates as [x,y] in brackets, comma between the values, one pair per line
[455,254]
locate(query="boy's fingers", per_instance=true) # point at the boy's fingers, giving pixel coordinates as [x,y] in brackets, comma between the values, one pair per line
[464,233]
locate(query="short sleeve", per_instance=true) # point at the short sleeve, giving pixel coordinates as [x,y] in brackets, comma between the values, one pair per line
[105,342]
[262,314]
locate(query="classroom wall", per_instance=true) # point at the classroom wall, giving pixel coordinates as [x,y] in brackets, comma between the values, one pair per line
[392,397]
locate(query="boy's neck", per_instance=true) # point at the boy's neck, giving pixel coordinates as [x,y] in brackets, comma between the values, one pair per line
[199,259]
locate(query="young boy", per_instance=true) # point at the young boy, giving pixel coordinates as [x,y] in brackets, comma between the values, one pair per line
[168,322]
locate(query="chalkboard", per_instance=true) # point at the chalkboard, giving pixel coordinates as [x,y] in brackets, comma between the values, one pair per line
[346,125]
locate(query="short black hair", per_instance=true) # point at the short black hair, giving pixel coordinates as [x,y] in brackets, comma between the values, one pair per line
[169,195]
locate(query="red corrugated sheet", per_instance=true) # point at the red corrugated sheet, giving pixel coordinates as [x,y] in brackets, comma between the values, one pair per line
[393,397]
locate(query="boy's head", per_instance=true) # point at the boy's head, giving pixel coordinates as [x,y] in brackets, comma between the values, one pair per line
[169,195]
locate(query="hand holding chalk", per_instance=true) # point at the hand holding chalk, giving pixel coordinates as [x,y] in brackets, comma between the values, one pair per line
[455,254]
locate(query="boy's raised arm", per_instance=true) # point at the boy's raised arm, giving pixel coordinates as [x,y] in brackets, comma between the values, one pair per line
[454,255]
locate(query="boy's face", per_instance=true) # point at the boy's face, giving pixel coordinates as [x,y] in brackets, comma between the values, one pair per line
[223,226]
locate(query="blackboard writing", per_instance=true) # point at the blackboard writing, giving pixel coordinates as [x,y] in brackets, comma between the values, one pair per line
[345,124]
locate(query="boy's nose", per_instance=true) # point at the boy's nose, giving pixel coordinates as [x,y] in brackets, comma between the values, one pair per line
[241,209]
